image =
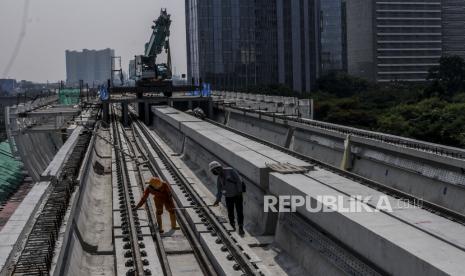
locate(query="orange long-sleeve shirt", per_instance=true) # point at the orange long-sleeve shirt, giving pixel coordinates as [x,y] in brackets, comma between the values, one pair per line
[162,196]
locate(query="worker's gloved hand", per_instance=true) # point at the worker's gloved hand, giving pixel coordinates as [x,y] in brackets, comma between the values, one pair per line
[216,204]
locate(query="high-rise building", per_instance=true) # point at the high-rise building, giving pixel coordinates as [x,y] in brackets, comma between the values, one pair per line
[453,27]
[7,86]
[408,39]
[311,41]
[132,69]
[359,38]
[231,44]
[298,43]
[405,38]
[332,35]
[91,66]
[240,43]
[236,43]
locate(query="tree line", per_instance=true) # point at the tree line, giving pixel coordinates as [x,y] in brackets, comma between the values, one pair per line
[433,111]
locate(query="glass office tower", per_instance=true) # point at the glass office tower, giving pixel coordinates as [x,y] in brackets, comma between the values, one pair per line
[408,39]
[298,36]
[235,44]
[232,43]
[453,27]
[332,36]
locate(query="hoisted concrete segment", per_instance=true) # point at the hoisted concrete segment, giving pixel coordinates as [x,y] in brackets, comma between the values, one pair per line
[36,130]
[398,242]
[33,130]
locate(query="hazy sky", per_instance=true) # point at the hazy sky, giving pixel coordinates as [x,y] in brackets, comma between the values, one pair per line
[52,26]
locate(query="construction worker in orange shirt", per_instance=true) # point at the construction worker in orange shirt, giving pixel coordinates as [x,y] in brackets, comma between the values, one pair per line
[163,197]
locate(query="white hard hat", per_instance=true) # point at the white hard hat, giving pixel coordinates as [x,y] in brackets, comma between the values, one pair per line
[213,165]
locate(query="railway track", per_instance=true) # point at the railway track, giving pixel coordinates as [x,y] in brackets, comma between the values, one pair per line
[411,199]
[160,161]
[381,137]
[133,243]
[151,216]
[194,259]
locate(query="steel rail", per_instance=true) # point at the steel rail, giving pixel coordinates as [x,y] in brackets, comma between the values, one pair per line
[188,230]
[152,218]
[216,226]
[124,182]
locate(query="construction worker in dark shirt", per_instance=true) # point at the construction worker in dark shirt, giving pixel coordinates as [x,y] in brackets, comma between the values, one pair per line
[229,184]
[163,197]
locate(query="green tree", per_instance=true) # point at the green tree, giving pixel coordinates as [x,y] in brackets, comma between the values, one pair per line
[342,84]
[433,120]
[448,78]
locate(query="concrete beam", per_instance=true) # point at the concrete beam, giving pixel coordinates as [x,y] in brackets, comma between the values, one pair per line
[391,244]
[54,168]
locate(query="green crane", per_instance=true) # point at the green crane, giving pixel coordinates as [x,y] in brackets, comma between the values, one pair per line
[148,71]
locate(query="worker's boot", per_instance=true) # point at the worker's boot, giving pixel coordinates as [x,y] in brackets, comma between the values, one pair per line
[173,221]
[241,230]
[160,223]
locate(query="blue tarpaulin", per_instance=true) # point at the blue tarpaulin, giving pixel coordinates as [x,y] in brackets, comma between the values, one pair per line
[103,93]
[204,92]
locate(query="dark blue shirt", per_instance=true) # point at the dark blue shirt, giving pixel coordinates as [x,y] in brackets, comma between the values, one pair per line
[229,184]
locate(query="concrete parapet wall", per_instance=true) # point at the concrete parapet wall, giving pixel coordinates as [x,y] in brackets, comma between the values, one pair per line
[87,246]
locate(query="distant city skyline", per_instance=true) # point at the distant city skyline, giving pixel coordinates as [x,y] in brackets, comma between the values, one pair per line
[241,44]
[54,26]
[91,66]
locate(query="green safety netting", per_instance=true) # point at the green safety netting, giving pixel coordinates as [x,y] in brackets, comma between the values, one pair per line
[68,96]
[10,171]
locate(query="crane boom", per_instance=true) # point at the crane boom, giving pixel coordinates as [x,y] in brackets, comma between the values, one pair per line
[150,74]
[159,39]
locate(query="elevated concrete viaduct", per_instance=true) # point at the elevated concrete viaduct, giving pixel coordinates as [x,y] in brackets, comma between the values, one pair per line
[79,217]
[402,242]
[429,171]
